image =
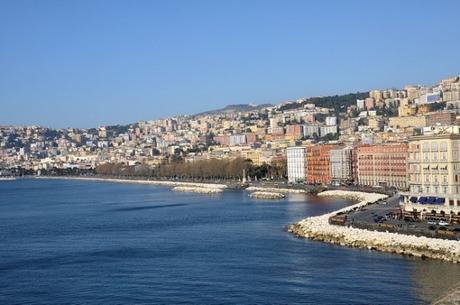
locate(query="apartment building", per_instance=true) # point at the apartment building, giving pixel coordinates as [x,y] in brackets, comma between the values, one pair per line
[318,164]
[296,164]
[434,173]
[440,118]
[340,165]
[382,165]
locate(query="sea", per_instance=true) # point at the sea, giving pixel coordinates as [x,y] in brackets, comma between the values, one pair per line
[95,242]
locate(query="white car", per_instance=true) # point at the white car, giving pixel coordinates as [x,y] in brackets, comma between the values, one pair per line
[432,222]
[443,223]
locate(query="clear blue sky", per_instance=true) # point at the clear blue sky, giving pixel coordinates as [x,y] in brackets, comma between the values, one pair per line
[89,63]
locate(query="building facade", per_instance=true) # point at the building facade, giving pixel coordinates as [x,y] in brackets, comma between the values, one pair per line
[318,163]
[296,164]
[340,165]
[382,165]
[434,174]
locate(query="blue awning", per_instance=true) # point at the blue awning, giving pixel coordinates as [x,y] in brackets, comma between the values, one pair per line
[422,200]
[413,199]
[440,200]
[431,200]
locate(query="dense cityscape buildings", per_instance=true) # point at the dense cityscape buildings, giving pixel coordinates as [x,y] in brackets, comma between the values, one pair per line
[405,139]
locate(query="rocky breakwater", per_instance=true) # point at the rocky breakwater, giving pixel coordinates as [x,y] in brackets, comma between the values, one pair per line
[318,228]
[201,190]
[275,190]
[169,183]
[266,195]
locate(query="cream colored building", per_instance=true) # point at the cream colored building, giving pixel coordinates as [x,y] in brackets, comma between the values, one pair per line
[405,122]
[434,173]
[406,108]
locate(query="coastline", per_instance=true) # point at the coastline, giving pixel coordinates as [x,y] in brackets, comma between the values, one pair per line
[319,228]
[141,181]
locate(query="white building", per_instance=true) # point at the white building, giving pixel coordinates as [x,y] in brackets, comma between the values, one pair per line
[310,130]
[325,130]
[237,139]
[296,164]
[340,165]
[331,120]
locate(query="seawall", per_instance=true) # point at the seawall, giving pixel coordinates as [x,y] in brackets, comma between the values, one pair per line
[318,228]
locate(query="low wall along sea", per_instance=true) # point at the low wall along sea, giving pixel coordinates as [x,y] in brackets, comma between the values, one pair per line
[319,228]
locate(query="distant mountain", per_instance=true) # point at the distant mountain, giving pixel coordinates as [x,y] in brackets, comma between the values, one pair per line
[235,108]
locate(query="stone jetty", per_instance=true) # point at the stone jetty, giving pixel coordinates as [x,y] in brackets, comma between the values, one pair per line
[201,190]
[143,181]
[266,195]
[274,190]
[318,228]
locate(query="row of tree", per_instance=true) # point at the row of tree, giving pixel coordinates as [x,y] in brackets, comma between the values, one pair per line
[202,169]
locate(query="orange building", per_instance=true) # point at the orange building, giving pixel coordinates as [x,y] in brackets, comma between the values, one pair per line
[294,131]
[382,165]
[318,160]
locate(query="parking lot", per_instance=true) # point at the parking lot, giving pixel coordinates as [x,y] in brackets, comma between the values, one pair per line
[386,216]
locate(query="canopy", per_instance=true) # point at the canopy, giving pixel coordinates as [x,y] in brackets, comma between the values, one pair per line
[422,200]
[413,199]
[431,200]
[440,200]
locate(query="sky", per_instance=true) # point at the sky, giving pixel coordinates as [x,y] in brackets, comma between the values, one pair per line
[91,63]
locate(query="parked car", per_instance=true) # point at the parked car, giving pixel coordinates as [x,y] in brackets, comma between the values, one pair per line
[432,222]
[443,223]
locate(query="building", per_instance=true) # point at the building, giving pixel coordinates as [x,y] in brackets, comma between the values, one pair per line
[376,95]
[237,139]
[296,164]
[318,164]
[382,165]
[440,118]
[294,131]
[406,122]
[325,130]
[406,108]
[331,120]
[309,131]
[340,165]
[369,103]
[376,123]
[222,139]
[434,174]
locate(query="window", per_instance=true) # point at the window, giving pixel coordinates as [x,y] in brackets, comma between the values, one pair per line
[443,156]
[443,146]
[426,147]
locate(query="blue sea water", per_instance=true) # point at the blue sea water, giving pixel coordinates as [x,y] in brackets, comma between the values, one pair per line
[82,242]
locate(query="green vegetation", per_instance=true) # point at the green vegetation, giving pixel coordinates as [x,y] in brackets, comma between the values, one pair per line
[338,102]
